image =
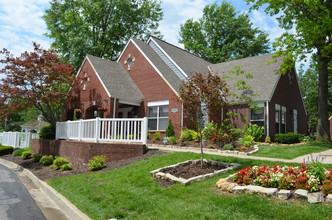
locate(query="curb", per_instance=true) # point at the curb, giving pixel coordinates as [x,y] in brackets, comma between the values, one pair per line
[67,208]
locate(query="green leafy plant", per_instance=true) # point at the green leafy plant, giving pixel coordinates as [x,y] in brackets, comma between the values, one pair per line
[247,140]
[26,155]
[170,129]
[307,139]
[67,166]
[327,187]
[53,166]
[6,150]
[254,131]
[47,132]
[157,136]
[188,135]
[317,169]
[36,157]
[288,138]
[172,140]
[20,151]
[97,163]
[148,136]
[267,139]
[46,160]
[59,161]
[228,147]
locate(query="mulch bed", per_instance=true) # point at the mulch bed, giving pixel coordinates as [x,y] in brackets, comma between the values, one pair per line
[192,170]
[44,172]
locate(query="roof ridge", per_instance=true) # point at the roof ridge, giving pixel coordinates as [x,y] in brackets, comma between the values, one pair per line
[251,57]
[180,48]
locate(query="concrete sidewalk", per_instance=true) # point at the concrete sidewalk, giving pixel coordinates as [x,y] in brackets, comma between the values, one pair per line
[53,205]
[326,154]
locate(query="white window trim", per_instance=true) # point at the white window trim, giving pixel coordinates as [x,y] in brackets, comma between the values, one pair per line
[158,104]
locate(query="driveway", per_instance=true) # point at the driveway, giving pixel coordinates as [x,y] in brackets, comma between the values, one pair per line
[15,201]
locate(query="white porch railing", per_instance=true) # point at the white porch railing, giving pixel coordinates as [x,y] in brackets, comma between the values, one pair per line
[104,130]
[17,139]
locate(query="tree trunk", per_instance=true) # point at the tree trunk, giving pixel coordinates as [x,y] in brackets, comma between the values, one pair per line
[323,128]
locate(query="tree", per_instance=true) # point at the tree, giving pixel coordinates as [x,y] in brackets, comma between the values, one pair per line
[312,20]
[203,94]
[99,27]
[309,83]
[37,79]
[222,34]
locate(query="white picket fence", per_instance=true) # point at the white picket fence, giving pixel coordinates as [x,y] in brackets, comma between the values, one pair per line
[104,130]
[17,139]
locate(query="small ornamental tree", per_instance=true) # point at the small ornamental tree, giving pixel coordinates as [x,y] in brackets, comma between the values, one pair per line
[201,95]
[35,79]
[170,129]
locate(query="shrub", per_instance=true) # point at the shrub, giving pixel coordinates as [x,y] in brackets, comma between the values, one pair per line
[46,160]
[170,129]
[97,163]
[288,138]
[156,136]
[235,133]
[189,135]
[67,166]
[317,169]
[18,152]
[307,139]
[47,132]
[6,150]
[218,135]
[172,140]
[228,147]
[59,161]
[26,155]
[254,130]
[247,140]
[53,166]
[267,139]
[36,157]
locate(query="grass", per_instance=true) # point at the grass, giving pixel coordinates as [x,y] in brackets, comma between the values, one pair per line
[291,151]
[131,193]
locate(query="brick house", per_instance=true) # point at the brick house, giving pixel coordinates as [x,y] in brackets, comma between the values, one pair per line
[145,81]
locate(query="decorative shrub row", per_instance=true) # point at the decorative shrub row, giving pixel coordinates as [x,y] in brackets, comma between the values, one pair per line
[6,150]
[97,163]
[288,138]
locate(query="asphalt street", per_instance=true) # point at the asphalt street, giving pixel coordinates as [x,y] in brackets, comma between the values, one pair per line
[15,201]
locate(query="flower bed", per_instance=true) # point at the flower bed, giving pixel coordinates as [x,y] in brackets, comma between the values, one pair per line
[312,177]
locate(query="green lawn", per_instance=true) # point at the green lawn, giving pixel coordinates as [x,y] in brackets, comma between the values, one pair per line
[292,151]
[131,193]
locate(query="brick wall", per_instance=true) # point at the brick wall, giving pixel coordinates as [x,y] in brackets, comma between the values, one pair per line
[151,84]
[79,153]
[93,95]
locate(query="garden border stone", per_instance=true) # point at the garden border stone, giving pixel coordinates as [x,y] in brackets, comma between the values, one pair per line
[159,173]
[313,198]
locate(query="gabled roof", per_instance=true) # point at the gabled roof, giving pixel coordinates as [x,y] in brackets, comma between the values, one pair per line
[264,79]
[116,80]
[187,61]
[168,74]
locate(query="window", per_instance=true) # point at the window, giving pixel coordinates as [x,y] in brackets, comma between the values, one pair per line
[283,119]
[257,115]
[277,119]
[158,115]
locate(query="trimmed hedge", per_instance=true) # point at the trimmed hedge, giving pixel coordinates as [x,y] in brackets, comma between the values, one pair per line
[288,138]
[6,150]
[47,132]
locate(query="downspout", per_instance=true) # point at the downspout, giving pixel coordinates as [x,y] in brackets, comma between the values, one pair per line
[181,116]
[114,106]
[267,119]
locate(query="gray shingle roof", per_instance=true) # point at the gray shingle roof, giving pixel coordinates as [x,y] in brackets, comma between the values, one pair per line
[187,61]
[264,78]
[116,79]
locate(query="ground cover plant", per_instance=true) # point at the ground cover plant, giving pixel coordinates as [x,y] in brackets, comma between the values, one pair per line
[6,150]
[132,193]
[291,151]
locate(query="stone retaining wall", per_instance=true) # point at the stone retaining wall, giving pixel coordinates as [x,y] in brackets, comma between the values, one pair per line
[79,153]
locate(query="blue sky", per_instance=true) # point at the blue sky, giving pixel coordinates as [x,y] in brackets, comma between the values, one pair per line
[21,21]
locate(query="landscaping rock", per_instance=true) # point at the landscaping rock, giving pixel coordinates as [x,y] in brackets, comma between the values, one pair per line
[329,198]
[224,185]
[316,197]
[301,194]
[284,194]
[262,190]
[238,189]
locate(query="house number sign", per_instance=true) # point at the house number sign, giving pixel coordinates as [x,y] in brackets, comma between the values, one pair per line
[174,110]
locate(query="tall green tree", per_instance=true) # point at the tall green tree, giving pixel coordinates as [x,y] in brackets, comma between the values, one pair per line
[223,34]
[309,83]
[99,27]
[312,20]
